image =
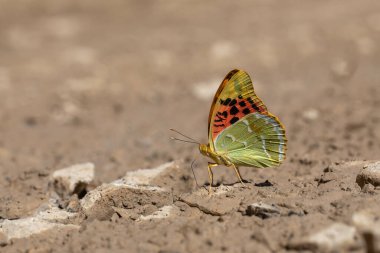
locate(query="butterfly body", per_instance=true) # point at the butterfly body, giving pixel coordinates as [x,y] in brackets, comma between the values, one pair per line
[206,150]
[241,130]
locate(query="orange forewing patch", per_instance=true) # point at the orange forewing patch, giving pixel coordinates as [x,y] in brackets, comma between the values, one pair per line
[233,109]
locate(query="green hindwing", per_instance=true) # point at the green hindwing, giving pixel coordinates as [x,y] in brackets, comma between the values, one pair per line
[256,140]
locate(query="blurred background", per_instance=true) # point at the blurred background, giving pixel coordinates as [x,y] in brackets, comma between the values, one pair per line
[103,81]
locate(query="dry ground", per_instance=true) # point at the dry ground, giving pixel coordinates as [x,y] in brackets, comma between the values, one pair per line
[103,81]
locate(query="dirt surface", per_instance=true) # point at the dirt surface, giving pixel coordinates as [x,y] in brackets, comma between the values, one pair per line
[103,81]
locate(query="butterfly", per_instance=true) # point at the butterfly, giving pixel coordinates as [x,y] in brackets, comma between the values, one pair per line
[241,131]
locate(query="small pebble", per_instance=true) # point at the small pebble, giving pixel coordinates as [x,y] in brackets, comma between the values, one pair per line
[263,210]
[369,175]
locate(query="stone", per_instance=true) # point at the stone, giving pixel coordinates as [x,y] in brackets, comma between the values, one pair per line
[162,213]
[270,210]
[138,188]
[263,210]
[368,188]
[99,203]
[310,114]
[26,227]
[53,219]
[368,224]
[219,202]
[56,215]
[369,175]
[337,236]
[73,179]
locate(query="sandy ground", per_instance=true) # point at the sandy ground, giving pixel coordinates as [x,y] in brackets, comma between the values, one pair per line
[103,81]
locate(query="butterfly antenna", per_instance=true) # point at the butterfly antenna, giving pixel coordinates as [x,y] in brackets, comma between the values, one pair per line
[192,169]
[194,141]
[176,139]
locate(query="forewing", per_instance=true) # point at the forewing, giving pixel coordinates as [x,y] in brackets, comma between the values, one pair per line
[234,100]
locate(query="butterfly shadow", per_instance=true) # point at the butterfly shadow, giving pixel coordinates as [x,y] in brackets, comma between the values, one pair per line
[219,183]
[266,183]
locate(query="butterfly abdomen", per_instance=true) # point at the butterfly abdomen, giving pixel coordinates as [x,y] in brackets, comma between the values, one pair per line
[231,110]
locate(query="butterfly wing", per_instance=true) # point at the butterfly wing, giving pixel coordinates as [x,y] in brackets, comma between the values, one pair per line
[234,99]
[256,140]
[240,126]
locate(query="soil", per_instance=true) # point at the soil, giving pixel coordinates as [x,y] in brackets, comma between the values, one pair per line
[103,81]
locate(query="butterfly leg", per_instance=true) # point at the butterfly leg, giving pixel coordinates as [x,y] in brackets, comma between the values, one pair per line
[211,175]
[238,174]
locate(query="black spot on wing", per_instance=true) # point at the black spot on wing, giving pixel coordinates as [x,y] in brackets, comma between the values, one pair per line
[233,120]
[233,102]
[227,101]
[224,114]
[254,106]
[242,104]
[220,118]
[234,110]
[246,111]
[240,97]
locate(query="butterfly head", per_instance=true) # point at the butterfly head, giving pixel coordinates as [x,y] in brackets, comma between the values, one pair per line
[207,151]
[204,149]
